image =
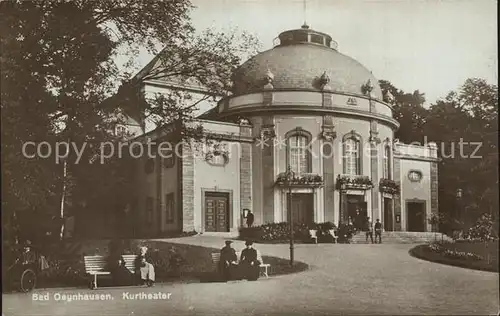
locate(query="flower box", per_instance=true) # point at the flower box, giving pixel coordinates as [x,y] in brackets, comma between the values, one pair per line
[389,186]
[354,182]
[307,179]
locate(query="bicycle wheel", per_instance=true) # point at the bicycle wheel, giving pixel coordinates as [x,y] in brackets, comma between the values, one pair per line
[28,280]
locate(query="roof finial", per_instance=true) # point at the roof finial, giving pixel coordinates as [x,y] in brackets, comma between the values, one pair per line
[305,26]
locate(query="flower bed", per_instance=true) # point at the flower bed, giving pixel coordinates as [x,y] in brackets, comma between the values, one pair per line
[479,255]
[280,232]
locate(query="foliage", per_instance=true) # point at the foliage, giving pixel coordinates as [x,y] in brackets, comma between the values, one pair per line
[353,182]
[467,144]
[280,232]
[483,229]
[59,84]
[454,254]
[308,179]
[389,186]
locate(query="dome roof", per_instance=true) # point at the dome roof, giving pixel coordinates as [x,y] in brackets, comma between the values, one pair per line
[300,64]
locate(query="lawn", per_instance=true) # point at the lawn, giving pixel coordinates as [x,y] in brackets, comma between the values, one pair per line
[173,263]
[472,255]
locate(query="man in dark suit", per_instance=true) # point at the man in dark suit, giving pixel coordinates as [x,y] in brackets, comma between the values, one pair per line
[228,264]
[250,219]
[250,266]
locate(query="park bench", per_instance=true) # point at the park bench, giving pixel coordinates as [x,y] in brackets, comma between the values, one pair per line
[333,232]
[96,265]
[263,266]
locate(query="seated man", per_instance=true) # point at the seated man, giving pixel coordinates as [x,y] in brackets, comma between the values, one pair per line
[145,269]
[249,265]
[228,264]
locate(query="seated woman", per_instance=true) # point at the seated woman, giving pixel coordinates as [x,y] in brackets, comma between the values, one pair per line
[119,272]
[145,269]
[249,264]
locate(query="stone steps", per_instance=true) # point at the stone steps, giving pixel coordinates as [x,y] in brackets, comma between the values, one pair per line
[402,237]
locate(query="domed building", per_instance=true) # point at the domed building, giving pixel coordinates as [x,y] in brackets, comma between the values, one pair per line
[314,140]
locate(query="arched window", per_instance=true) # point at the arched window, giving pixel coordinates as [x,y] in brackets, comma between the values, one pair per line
[298,155]
[387,162]
[352,154]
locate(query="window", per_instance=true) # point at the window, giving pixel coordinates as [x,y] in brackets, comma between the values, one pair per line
[316,39]
[415,175]
[168,157]
[149,209]
[120,130]
[300,37]
[170,208]
[387,162]
[298,156]
[218,155]
[352,157]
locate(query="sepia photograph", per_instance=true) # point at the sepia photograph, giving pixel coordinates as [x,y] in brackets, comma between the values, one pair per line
[249,157]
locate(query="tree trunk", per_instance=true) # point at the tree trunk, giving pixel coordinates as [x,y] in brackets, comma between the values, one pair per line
[63,198]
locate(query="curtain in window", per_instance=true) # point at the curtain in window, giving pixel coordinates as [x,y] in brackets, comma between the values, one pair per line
[298,156]
[351,157]
[387,162]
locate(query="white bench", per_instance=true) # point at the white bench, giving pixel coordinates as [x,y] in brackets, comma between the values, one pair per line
[263,266]
[96,265]
[313,233]
[333,232]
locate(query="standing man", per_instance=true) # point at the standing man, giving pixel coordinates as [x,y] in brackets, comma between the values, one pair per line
[378,231]
[369,229]
[249,219]
[228,264]
[250,266]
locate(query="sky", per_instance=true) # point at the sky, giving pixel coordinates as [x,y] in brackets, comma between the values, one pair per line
[432,46]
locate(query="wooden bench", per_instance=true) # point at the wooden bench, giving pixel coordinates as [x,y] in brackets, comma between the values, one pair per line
[96,265]
[264,266]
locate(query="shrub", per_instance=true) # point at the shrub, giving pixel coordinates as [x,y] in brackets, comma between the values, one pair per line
[482,230]
[280,232]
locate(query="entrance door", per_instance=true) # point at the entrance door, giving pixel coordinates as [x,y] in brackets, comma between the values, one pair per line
[302,207]
[416,216]
[357,210]
[216,212]
[388,225]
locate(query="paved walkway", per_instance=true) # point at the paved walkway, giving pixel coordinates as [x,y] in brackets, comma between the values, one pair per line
[348,279]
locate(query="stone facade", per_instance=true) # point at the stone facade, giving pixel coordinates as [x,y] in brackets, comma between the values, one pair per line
[293,95]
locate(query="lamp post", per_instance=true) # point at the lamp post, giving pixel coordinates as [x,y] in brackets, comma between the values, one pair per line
[290,175]
[459,205]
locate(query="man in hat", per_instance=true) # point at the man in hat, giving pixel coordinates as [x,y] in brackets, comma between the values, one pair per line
[250,266]
[378,231]
[228,264]
[250,218]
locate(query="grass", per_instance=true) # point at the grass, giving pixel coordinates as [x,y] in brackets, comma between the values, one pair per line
[197,264]
[487,251]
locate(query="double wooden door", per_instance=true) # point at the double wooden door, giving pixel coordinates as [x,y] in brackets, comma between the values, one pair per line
[416,216]
[302,207]
[217,217]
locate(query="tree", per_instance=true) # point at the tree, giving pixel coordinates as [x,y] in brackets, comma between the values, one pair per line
[408,110]
[58,76]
